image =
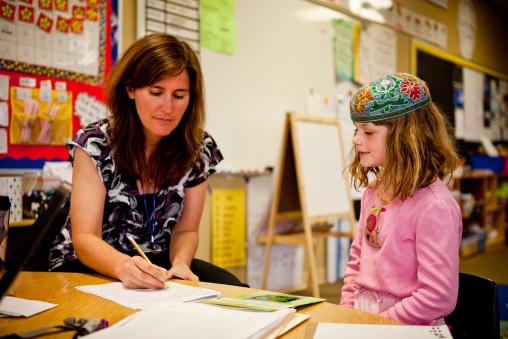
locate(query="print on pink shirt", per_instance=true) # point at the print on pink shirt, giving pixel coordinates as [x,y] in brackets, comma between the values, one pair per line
[373,226]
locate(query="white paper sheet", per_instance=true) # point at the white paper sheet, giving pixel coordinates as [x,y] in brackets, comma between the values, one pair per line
[195,320]
[3,141]
[473,104]
[18,307]
[142,299]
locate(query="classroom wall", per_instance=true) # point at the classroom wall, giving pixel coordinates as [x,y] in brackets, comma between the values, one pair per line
[266,27]
[283,52]
[491,25]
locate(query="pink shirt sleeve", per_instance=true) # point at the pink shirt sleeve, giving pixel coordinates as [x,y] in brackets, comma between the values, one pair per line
[352,270]
[353,266]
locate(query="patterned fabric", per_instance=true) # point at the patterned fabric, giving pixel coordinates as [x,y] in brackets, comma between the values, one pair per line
[417,258]
[124,210]
[388,97]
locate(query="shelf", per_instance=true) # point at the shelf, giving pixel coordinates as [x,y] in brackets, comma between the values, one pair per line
[22,223]
[495,208]
[487,211]
[299,238]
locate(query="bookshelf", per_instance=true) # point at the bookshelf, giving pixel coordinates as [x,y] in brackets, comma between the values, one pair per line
[488,213]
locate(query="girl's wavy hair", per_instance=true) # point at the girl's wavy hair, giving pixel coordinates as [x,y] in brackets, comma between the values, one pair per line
[147,61]
[420,148]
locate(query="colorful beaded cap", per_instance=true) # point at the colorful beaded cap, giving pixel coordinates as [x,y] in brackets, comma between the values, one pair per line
[389,97]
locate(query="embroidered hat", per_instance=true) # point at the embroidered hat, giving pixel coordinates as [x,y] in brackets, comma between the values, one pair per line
[389,97]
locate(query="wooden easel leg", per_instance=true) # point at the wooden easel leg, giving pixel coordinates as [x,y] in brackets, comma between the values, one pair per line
[268,247]
[266,266]
[309,244]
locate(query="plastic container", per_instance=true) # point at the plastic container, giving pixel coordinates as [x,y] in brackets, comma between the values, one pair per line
[485,162]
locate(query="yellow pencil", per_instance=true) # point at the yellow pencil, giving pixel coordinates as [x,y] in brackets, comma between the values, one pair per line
[138,249]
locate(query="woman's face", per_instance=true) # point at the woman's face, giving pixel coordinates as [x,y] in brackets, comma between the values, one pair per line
[370,143]
[161,105]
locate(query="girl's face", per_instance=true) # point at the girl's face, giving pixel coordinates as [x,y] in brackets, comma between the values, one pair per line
[370,143]
[161,105]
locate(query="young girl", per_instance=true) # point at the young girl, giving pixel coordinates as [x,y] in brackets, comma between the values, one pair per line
[404,258]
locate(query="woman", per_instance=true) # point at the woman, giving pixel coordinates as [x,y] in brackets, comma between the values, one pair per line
[142,173]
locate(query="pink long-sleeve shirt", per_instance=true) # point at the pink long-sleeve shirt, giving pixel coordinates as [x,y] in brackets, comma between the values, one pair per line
[409,249]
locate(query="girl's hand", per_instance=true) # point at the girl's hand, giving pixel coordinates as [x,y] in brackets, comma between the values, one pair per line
[181,271]
[138,273]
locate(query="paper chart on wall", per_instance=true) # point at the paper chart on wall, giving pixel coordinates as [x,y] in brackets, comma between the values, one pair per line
[473,104]
[63,35]
[377,53]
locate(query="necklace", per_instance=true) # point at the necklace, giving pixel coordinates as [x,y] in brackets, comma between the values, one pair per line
[151,222]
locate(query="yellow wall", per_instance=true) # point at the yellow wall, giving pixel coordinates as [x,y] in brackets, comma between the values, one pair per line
[491,26]
[128,23]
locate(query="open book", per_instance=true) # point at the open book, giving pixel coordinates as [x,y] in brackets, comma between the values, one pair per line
[265,301]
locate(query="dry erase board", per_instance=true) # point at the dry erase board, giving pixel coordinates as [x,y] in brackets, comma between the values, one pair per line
[284,49]
[320,160]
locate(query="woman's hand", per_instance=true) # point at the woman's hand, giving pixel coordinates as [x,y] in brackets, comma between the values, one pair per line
[181,271]
[138,273]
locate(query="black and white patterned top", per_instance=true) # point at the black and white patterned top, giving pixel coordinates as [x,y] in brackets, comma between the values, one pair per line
[124,209]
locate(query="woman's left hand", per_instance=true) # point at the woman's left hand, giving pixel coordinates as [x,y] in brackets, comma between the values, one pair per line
[181,271]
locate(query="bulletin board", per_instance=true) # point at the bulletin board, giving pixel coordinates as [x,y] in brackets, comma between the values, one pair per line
[52,53]
[444,75]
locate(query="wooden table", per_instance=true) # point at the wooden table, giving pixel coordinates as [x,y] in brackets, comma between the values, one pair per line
[59,288]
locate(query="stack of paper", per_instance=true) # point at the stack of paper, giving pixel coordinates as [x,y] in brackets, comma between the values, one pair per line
[18,307]
[171,311]
[196,320]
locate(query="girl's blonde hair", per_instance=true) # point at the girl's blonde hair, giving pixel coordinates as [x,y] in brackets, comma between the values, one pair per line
[420,149]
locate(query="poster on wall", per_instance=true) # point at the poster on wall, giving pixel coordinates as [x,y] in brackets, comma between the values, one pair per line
[54,56]
[63,39]
[180,18]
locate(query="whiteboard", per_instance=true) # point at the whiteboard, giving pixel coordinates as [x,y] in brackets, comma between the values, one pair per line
[284,49]
[321,165]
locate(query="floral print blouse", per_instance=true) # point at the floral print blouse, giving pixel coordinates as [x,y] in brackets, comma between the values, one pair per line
[125,209]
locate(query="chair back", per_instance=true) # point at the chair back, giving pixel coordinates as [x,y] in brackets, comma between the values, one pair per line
[477,312]
[39,262]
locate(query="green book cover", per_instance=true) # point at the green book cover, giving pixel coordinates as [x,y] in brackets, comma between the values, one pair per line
[264,301]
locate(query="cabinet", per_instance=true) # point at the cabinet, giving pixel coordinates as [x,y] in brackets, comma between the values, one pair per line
[488,215]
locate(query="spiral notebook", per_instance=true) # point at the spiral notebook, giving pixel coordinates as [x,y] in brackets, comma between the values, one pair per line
[364,331]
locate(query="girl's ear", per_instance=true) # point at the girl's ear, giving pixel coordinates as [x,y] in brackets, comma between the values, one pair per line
[130,92]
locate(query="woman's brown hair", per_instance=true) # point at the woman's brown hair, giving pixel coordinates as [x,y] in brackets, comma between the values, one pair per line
[420,149]
[147,61]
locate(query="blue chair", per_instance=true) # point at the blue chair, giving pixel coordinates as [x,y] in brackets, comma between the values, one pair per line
[477,312]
